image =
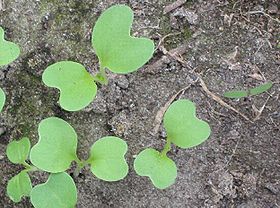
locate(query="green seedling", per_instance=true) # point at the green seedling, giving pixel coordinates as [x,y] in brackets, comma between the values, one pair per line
[54,153]
[59,191]
[115,48]
[8,51]
[117,51]
[76,85]
[183,129]
[250,92]
[2,99]
[19,186]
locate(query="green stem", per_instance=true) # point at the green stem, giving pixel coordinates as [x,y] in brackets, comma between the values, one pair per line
[167,147]
[102,71]
[29,168]
[80,165]
[26,165]
[101,76]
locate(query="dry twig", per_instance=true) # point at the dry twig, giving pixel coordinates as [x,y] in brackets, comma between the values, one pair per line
[173,6]
[220,101]
[162,110]
[175,56]
[2,5]
[166,36]
[259,111]
[265,14]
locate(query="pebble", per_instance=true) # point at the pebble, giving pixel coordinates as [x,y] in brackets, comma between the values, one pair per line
[2,131]
[191,16]
[272,187]
[122,82]
[260,57]
[272,9]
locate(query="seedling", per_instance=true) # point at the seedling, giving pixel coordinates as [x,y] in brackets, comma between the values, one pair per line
[8,53]
[250,92]
[59,191]
[54,153]
[117,51]
[183,129]
[2,99]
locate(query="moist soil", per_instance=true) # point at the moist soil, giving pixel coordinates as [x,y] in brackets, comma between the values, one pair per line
[232,44]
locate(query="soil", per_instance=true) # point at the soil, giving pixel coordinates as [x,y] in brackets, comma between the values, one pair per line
[231,46]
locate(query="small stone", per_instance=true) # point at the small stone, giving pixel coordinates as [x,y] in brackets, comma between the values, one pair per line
[273,188]
[2,131]
[120,124]
[122,82]
[2,75]
[173,22]
[203,58]
[272,9]
[191,16]
[260,57]
[98,105]
[258,8]
[234,133]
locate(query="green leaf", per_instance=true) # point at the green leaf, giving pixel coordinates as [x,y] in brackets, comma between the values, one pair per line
[158,167]
[19,186]
[76,85]
[8,51]
[17,151]
[107,159]
[58,192]
[57,146]
[253,91]
[2,99]
[236,94]
[260,89]
[114,46]
[183,127]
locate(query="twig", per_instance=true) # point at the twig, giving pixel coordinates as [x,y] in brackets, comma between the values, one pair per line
[259,112]
[166,36]
[263,13]
[204,87]
[173,6]
[177,54]
[2,5]
[220,101]
[255,27]
[233,153]
[162,110]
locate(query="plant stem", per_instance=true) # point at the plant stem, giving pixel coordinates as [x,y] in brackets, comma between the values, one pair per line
[29,168]
[167,147]
[101,76]
[26,165]
[80,165]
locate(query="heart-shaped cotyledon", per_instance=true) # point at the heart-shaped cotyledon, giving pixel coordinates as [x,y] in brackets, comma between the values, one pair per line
[107,158]
[158,167]
[183,128]
[76,85]
[8,51]
[116,49]
[58,192]
[57,146]
[19,186]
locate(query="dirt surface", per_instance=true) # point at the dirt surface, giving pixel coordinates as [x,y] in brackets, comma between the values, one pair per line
[228,42]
